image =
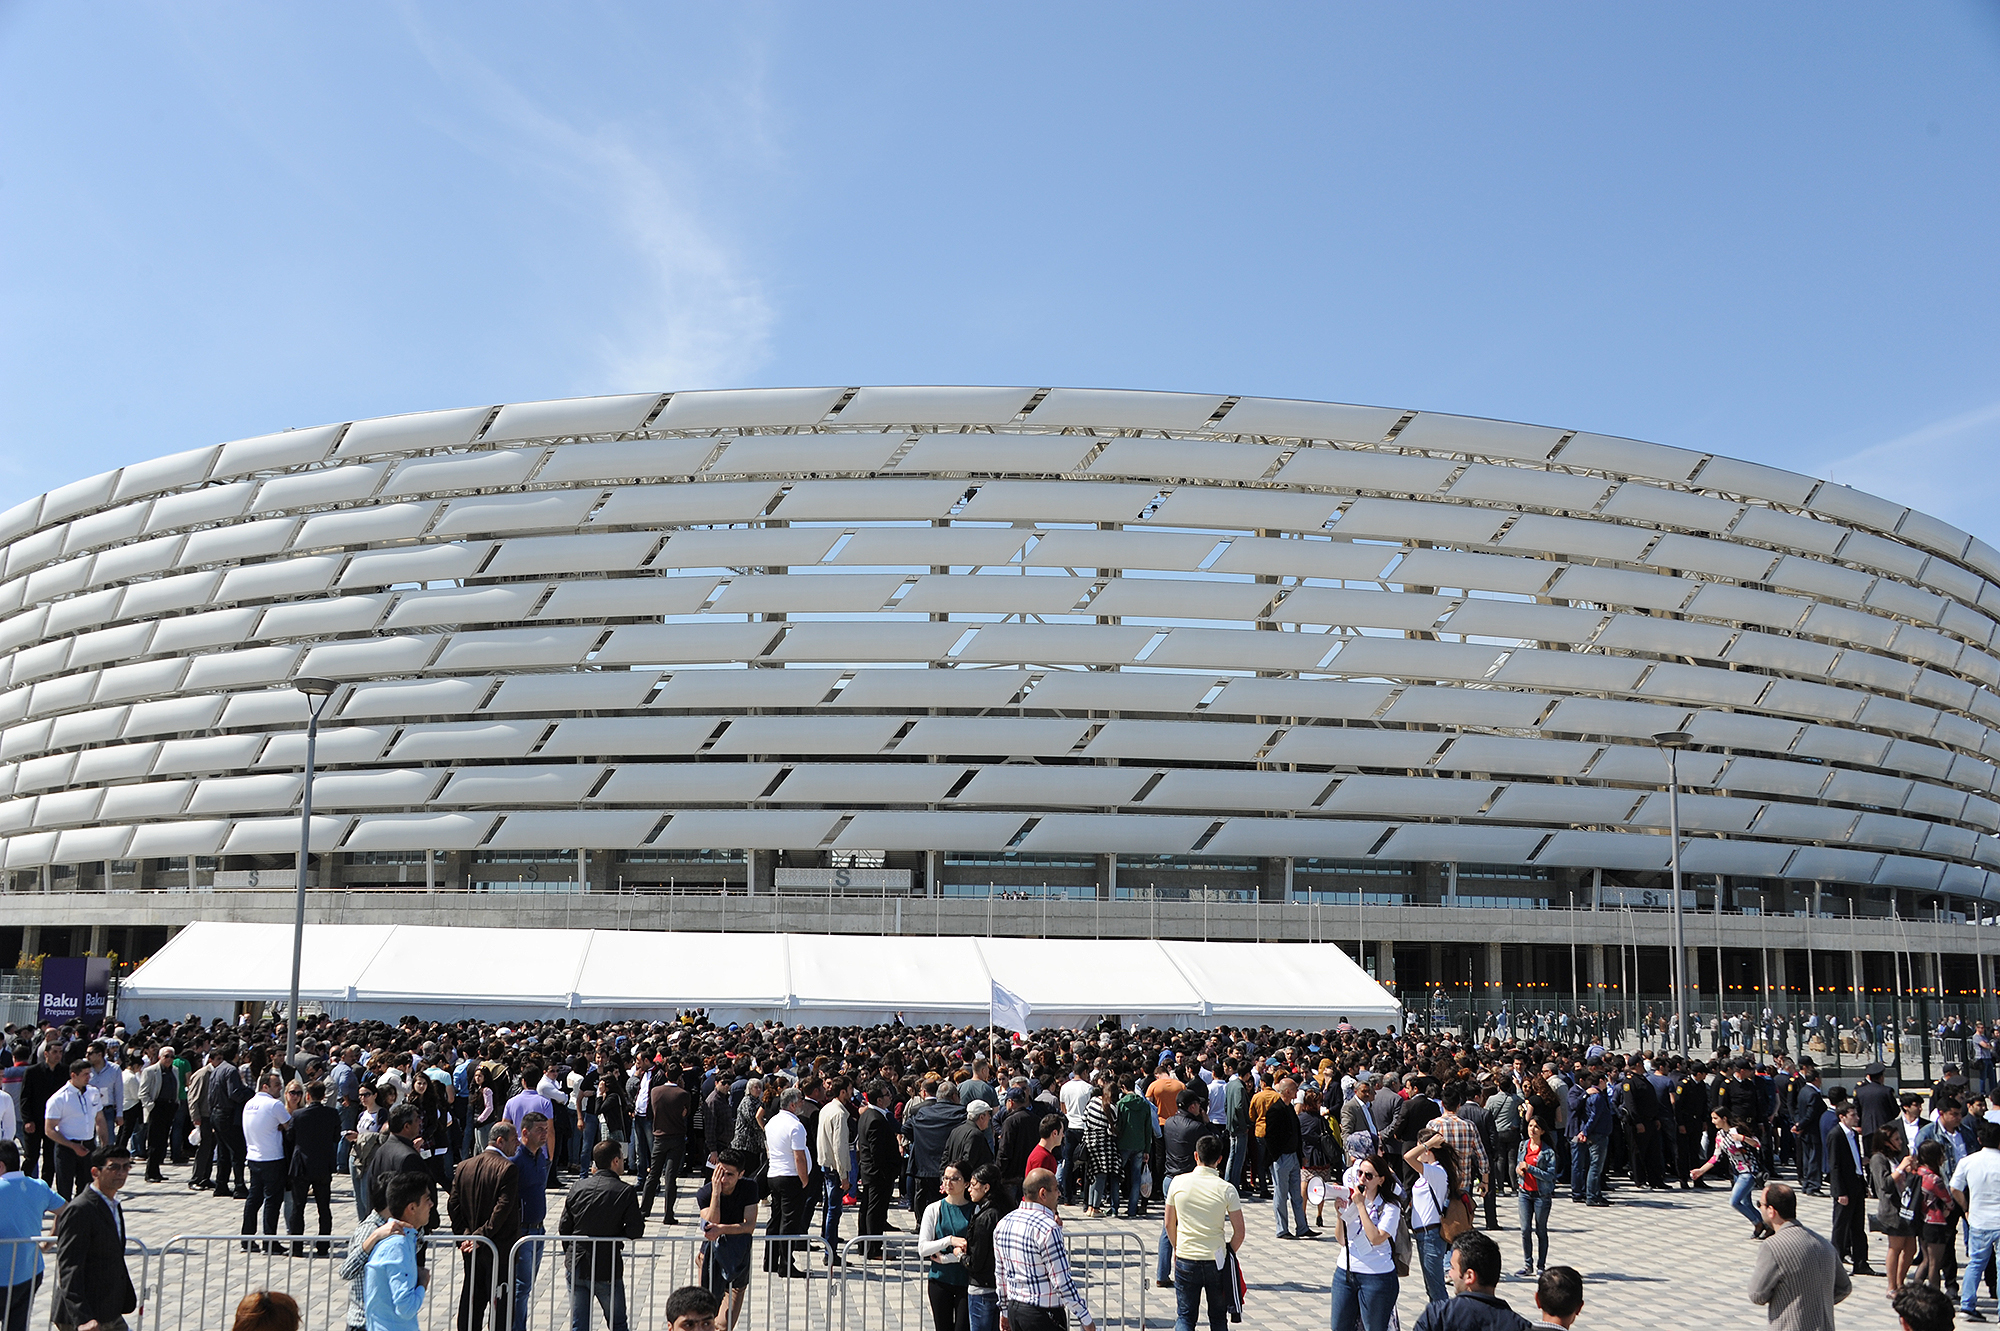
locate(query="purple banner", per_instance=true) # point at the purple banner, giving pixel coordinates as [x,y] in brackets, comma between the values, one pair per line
[75,989]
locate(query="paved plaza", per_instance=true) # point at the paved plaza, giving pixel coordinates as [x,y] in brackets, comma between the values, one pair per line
[1652,1260]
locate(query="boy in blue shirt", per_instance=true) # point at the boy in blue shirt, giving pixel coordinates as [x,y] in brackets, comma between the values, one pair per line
[395,1282]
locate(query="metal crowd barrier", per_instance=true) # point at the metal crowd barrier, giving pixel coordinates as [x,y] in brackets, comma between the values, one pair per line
[645,1271]
[202,1277]
[17,1269]
[883,1281]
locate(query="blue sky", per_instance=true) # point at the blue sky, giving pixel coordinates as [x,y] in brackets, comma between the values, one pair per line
[1768,231]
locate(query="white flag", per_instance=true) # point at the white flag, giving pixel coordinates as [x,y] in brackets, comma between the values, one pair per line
[1010,1010]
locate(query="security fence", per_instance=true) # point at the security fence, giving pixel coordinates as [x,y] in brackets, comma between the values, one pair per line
[200,1278]
[23,1263]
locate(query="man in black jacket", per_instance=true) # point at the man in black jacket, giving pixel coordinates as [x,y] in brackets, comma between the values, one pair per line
[1848,1171]
[1020,1133]
[601,1209]
[315,1141]
[93,1288]
[1808,1108]
[1876,1101]
[38,1083]
[226,1095]
[881,1162]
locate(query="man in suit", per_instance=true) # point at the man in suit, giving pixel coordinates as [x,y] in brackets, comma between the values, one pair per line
[315,1145]
[669,1108]
[1847,1167]
[93,1288]
[1875,1100]
[1809,1108]
[881,1163]
[485,1204]
[1798,1275]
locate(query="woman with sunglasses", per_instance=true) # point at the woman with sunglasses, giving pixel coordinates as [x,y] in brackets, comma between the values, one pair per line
[1364,1277]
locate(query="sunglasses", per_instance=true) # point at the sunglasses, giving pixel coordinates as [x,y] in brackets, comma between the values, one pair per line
[1365,1177]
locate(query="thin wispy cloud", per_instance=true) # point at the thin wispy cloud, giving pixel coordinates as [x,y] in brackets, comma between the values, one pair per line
[1949,468]
[701,317]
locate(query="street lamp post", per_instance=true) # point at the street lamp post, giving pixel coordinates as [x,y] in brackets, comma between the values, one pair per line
[1673,741]
[317,691]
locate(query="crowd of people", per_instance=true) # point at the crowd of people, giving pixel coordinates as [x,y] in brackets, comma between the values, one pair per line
[981,1140]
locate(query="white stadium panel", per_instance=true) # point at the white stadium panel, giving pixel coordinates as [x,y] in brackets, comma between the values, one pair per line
[209,628]
[904,689]
[625,459]
[191,838]
[409,434]
[423,697]
[545,510]
[994,594]
[1821,579]
[270,793]
[804,454]
[1599,716]
[1116,691]
[1117,408]
[1194,459]
[1119,549]
[1485,617]
[1304,838]
[157,475]
[45,773]
[927,406]
[757,829]
[1530,486]
[1001,736]
[1292,419]
[359,526]
[1407,519]
[1478,705]
[242,540]
[1292,697]
[1411,658]
[122,642]
[89,727]
[334,744]
[1881,554]
[628,598]
[211,753]
[1449,843]
[686,504]
[1686,683]
[305,489]
[394,788]
[150,799]
[72,691]
[1114,833]
[1722,558]
[942,547]
[166,716]
[466,605]
[1056,644]
[727,689]
[870,783]
[1590,671]
[319,619]
[899,500]
[268,452]
[1630,456]
[1843,625]
[365,657]
[70,806]
[765,547]
[1355,746]
[1514,756]
[1700,813]
[1674,508]
[1577,537]
[1756,481]
[274,836]
[1734,855]
[1605,850]
[573,416]
[1305,557]
[1033,454]
[1351,469]
[298,575]
[420,831]
[419,564]
[1876,789]
[1215,741]
[1458,568]
[1919,759]
[870,830]
[596,829]
[1059,787]
[1771,777]
[1242,649]
[92,843]
[1802,698]
[1409,796]
[669,784]
[592,690]
[1354,608]
[1788,530]
[564,783]
[822,593]
[808,734]
[467,739]
[867,640]
[1643,764]
[1275,791]
[1795,656]
[746,407]
[1546,802]
[614,736]
[1622,587]
[1873,671]
[81,612]
[1909,871]
[211,503]
[1438,433]
[680,644]
[1057,501]
[180,592]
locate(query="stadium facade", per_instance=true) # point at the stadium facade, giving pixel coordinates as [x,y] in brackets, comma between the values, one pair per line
[988,653]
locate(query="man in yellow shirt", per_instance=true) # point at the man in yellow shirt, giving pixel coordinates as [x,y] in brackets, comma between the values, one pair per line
[1198,1207]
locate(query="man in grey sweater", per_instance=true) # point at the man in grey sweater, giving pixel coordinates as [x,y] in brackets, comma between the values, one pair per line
[1798,1275]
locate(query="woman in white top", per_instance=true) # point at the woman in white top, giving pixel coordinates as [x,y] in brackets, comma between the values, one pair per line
[1364,1278]
[1431,1191]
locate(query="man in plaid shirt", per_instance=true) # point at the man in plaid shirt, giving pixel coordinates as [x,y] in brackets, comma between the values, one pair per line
[1037,1291]
[1462,1138]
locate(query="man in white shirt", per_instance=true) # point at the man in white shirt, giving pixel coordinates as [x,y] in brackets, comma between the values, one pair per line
[834,1150]
[1075,1097]
[75,1126]
[264,1119]
[785,1181]
[1975,1186]
[109,1083]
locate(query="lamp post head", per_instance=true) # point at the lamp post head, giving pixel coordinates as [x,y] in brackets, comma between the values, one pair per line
[1673,739]
[317,691]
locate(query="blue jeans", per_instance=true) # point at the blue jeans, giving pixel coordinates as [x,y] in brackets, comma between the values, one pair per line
[1135,1164]
[1066,1172]
[1739,1197]
[1285,1189]
[1432,1255]
[350,1116]
[1362,1300]
[642,1146]
[1164,1266]
[1596,1147]
[1978,1253]
[1191,1281]
[1239,1152]
[1534,1211]
[831,1192]
[527,1265]
[982,1311]
[609,1296]
[1104,1190]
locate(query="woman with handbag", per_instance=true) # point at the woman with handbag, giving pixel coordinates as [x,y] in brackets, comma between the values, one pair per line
[1365,1284]
[1319,1152]
[1890,1172]
[1937,1211]
[1432,1192]
[1740,1149]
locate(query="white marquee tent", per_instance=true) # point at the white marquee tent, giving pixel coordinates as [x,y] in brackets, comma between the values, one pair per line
[385,971]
